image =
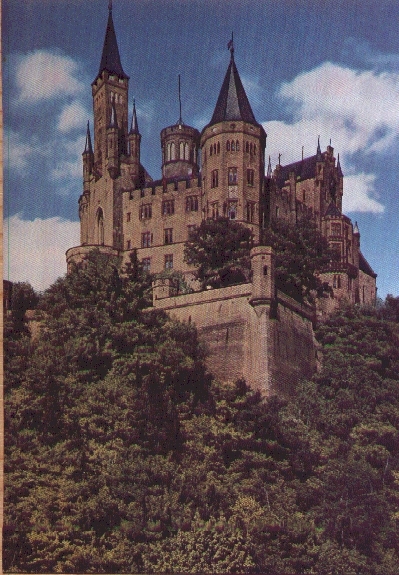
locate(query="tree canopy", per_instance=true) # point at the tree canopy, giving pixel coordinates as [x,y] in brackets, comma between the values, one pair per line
[123,456]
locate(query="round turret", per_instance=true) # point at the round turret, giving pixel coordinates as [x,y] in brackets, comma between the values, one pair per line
[180,145]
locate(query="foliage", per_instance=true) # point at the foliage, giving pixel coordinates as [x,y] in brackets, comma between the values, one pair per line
[301,253]
[122,456]
[219,251]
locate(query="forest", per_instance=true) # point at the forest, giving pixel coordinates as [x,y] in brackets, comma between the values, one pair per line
[124,455]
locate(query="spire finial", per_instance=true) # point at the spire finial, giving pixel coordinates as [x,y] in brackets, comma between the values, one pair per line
[180,118]
[279,159]
[110,5]
[134,126]
[230,46]
[318,154]
[269,169]
[88,146]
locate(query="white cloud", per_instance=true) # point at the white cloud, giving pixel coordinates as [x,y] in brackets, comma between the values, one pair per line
[357,109]
[19,150]
[71,164]
[44,74]
[360,194]
[73,116]
[34,251]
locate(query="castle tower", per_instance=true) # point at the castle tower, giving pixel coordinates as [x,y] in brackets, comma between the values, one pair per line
[180,144]
[232,149]
[109,88]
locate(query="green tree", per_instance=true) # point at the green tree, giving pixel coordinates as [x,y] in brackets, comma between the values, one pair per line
[301,253]
[219,250]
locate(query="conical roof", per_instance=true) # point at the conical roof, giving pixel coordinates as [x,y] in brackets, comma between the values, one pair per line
[110,59]
[232,103]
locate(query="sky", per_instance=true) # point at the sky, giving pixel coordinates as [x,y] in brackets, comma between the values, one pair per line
[310,68]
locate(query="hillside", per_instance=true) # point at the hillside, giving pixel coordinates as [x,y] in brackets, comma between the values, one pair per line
[123,455]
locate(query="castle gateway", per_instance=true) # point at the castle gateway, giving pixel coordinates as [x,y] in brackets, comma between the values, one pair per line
[218,172]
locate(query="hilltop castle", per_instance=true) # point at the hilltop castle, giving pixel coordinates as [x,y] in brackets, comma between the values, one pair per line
[218,172]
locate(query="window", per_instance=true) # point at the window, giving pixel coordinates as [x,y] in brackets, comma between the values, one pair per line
[145,211]
[186,151]
[232,176]
[128,244]
[218,148]
[146,239]
[277,211]
[335,229]
[237,146]
[192,204]
[254,149]
[251,209]
[247,147]
[142,193]
[211,150]
[168,236]
[169,261]
[215,178]
[146,262]
[250,177]
[168,207]
[215,210]
[233,146]
[232,210]
[128,216]
[228,146]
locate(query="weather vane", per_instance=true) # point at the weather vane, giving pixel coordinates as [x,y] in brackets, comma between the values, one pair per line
[230,45]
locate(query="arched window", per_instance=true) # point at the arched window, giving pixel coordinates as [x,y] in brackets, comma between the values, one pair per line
[181,156]
[228,146]
[172,151]
[237,146]
[254,149]
[211,150]
[233,146]
[247,147]
[168,152]
[100,227]
[218,147]
[186,152]
[251,148]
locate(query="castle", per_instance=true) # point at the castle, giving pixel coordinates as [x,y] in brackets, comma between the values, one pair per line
[218,172]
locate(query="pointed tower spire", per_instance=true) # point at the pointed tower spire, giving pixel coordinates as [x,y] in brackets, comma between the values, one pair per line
[110,59]
[269,169]
[356,229]
[180,118]
[88,146]
[232,103]
[134,126]
[339,169]
[318,153]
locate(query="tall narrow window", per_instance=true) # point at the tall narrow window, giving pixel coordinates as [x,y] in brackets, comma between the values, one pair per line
[218,148]
[237,146]
[232,210]
[100,227]
[192,204]
[233,146]
[172,151]
[168,207]
[169,261]
[182,150]
[228,146]
[128,217]
[250,177]
[168,236]
[232,176]
[215,178]
[215,210]
[251,209]
[186,152]
[146,263]
[146,239]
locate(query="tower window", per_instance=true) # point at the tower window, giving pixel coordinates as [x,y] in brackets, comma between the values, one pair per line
[232,211]
[186,152]
[182,150]
[128,244]
[335,229]
[128,216]
[211,150]
[233,146]
[215,178]
[251,209]
[169,261]
[168,207]
[146,263]
[228,146]
[247,147]
[237,146]
[168,236]
[146,239]
[232,176]
[254,149]
[145,211]
[218,148]
[250,177]
[192,204]
[215,210]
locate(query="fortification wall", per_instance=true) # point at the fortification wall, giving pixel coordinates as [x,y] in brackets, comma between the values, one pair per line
[268,341]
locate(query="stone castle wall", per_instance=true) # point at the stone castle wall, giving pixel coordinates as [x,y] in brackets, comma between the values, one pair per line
[250,331]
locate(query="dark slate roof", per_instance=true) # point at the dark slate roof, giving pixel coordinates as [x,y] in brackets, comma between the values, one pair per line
[333,211]
[232,103]
[365,267]
[110,59]
[304,169]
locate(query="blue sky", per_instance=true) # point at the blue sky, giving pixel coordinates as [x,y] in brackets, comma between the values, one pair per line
[309,68]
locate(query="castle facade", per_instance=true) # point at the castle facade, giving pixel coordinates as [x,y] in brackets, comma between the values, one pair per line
[218,172]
